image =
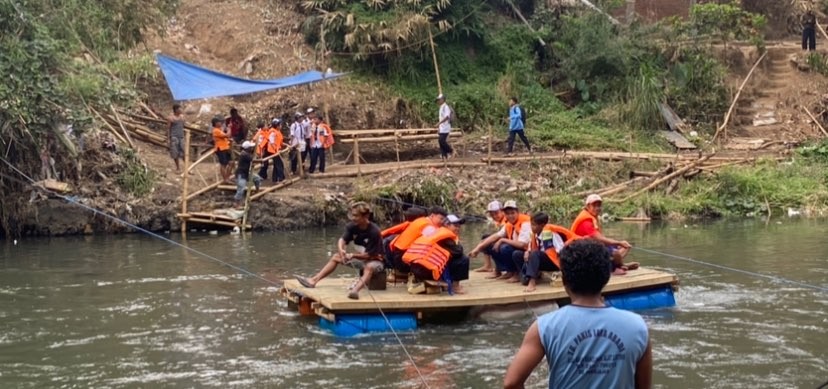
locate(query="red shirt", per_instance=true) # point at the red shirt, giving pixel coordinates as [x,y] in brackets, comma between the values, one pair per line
[585,229]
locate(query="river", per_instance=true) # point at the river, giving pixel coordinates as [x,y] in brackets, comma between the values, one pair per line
[133,311]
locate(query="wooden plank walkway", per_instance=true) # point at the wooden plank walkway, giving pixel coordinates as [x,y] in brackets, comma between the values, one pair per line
[331,293]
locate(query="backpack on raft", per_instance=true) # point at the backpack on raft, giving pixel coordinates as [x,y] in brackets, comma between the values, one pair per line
[522,115]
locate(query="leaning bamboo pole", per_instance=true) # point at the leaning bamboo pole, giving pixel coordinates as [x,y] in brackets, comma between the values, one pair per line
[186,182]
[736,98]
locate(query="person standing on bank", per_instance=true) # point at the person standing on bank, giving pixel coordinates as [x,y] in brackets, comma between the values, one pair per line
[243,172]
[175,134]
[307,132]
[586,344]
[235,126]
[809,30]
[319,142]
[297,143]
[221,140]
[444,127]
[516,125]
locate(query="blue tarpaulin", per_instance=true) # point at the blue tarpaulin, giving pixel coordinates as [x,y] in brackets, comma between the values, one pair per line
[188,81]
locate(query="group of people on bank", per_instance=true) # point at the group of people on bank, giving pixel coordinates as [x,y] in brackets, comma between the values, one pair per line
[308,139]
[426,245]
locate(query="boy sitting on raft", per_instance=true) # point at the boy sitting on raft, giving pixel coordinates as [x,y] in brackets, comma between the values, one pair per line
[364,234]
[439,256]
[547,242]
[586,225]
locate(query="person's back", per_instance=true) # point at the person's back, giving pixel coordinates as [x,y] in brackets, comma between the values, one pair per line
[592,347]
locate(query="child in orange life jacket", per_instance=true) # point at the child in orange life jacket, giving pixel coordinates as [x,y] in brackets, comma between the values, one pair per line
[508,244]
[418,227]
[446,261]
[391,233]
[547,241]
[363,233]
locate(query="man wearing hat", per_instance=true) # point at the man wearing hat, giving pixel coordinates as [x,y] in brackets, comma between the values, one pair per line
[243,172]
[444,127]
[509,244]
[275,141]
[439,256]
[498,219]
[586,225]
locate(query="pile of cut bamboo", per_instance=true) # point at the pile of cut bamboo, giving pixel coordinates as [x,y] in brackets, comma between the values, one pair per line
[125,126]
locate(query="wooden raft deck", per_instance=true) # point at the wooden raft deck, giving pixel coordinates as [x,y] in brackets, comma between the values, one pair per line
[330,295]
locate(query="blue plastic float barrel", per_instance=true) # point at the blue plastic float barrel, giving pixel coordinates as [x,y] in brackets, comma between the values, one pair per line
[661,297]
[347,325]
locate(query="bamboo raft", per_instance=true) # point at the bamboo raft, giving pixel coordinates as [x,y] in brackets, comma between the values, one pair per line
[330,303]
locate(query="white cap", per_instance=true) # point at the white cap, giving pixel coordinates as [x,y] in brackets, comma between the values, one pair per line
[593,198]
[276,121]
[494,206]
[454,219]
[510,204]
[440,97]
[298,114]
[310,110]
[248,144]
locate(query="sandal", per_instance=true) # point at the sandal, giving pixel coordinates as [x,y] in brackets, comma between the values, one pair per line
[304,281]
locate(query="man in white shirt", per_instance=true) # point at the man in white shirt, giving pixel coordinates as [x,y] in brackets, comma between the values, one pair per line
[307,129]
[444,127]
[297,142]
[509,244]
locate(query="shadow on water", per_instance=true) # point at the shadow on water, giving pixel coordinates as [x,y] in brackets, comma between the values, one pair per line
[116,311]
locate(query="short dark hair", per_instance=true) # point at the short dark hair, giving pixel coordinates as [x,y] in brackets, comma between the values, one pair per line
[438,211]
[540,219]
[414,213]
[234,112]
[513,98]
[176,107]
[217,121]
[260,125]
[585,267]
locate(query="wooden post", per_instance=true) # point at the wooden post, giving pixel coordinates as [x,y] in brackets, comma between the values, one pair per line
[489,159]
[186,181]
[356,157]
[397,147]
[434,57]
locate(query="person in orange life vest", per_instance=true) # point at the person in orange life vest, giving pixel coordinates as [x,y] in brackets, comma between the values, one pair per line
[260,139]
[275,142]
[586,224]
[222,143]
[547,241]
[446,259]
[318,144]
[498,218]
[401,243]
[362,232]
[508,244]
[391,233]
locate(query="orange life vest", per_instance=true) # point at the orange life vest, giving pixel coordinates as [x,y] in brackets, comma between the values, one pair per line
[426,252]
[220,139]
[514,229]
[403,241]
[261,140]
[582,217]
[394,229]
[567,236]
[274,147]
[326,140]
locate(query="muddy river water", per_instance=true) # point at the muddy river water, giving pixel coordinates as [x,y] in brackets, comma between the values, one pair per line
[132,311]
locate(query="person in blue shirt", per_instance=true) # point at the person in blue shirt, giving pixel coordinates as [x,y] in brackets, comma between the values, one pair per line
[586,344]
[516,125]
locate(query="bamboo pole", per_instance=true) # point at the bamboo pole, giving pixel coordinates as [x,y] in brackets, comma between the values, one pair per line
[200,160]
[205,189]
[186,181]
[111,128]
[148,110]
[162,121]
[821,128]
[434,58]
[668,177]
[273,188]
[736,98]
[247,193]
[520,15]
[489,157]
[357,162]
[397,148]
[121,124]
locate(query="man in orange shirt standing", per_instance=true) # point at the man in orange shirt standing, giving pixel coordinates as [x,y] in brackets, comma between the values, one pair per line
[586,225]
[221,140]
[275,139]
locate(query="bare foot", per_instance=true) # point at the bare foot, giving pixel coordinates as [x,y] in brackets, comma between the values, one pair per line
[513,280]
[506,276]
[494,276]
[631,266]
[619,272]
[483,269]
[530,287]
[457,289]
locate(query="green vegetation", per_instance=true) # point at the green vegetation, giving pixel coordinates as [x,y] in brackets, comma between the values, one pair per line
[134,176]
[57,56]
[593,85]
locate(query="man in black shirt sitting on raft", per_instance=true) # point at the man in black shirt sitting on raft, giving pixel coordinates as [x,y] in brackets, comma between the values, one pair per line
[363,233]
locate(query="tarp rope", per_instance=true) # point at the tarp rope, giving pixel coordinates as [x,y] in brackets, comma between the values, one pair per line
[237,268]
